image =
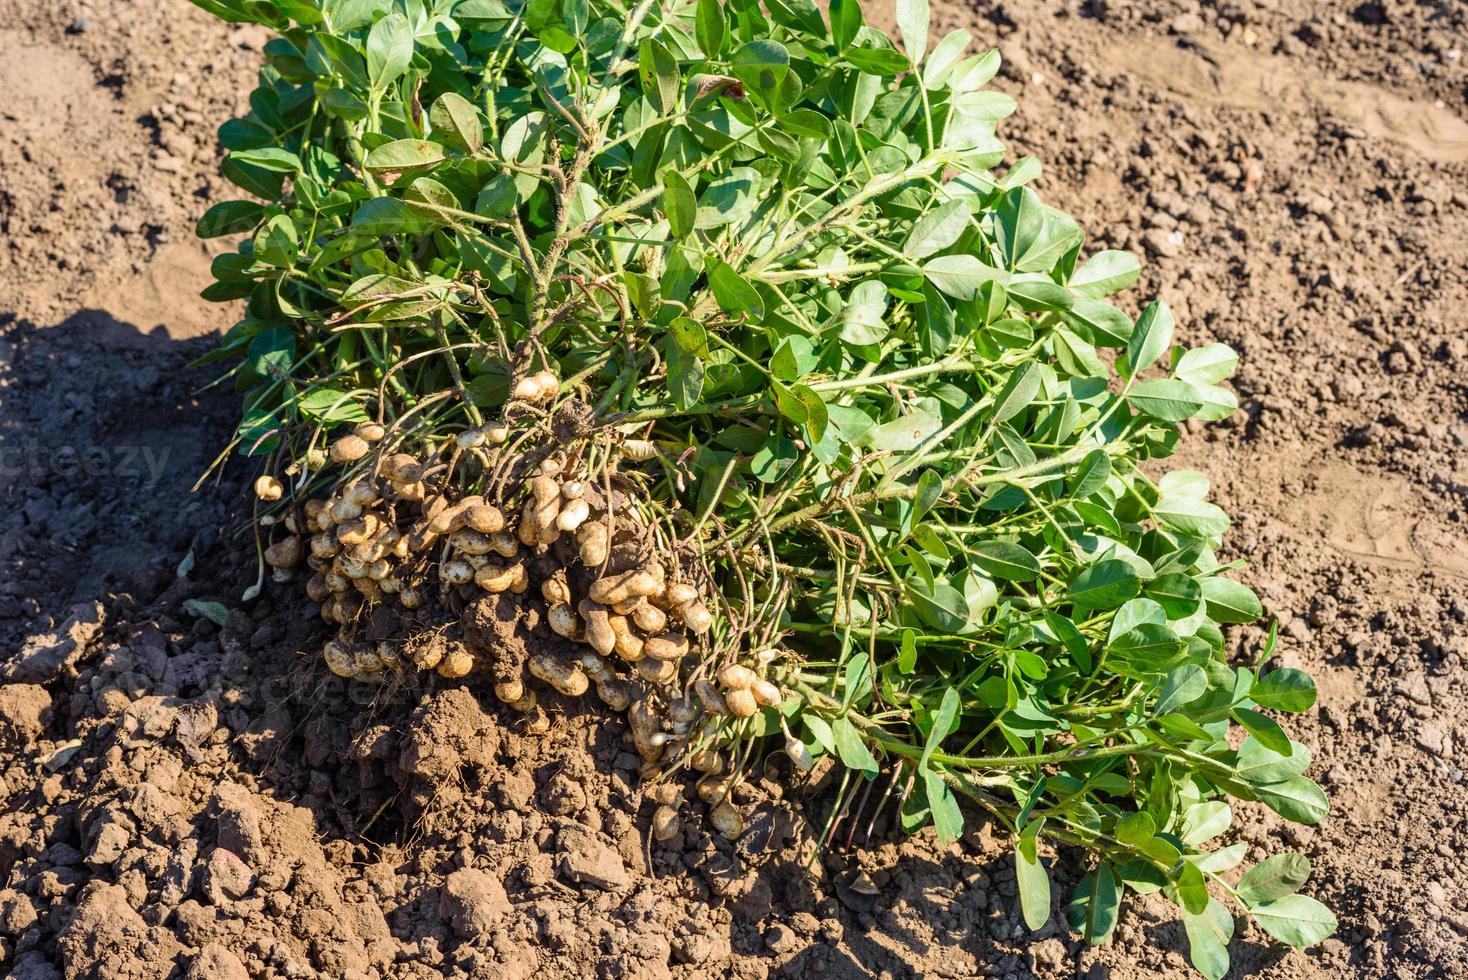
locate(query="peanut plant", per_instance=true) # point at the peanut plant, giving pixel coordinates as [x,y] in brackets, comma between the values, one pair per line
[716,342]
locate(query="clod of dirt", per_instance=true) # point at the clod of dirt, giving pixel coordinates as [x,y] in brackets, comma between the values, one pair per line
[214,962]
[588,859]
[473,903]
[45,656]
[106,938]
[25,710]
[448,732]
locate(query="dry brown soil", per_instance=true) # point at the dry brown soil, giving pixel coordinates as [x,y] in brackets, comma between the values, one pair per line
[181,799]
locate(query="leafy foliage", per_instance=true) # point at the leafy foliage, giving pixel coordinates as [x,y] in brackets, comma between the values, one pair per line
[892,403]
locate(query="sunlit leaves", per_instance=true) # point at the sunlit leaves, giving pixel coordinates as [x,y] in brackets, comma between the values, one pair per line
[1151,337]
[407,154]
[679,204]
[959,276]
[389,50]
[1297,920]
[1284,689]
[734,293]
[1032,878]
[1273,878]
[710,27]
[937,230]
[277,243]
[456,122]
[912,24]
[918,427]
[1105,273]
[1208,934]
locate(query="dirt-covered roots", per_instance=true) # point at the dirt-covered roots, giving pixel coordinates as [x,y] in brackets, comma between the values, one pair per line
[503,556]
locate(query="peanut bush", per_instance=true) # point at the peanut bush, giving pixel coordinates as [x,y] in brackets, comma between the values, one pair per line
[713,341]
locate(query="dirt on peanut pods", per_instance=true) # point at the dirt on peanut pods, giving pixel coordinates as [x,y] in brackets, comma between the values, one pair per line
[182,798]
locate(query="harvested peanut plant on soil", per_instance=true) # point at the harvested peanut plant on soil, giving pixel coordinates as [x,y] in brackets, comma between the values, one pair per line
[704,341]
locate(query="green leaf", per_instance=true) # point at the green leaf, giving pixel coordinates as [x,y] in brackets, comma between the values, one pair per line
[728,199]
[1273,878]
[1261,765]
[679,204]
[1190,515]
[1183,685]
[331,406]
[907,653]
[1192,888]
[1183,483]
[762,66]
[385,216]
[1216,862]
[270,158]
[942,606]
[1263,728]
[1150,647]
[807,123]
[1092,474]
[1178,594]
[1105,273]
[945,721]
[691,336]
[861,321]
[902,434]
[794,358]
[1019,390]
[276,243]
[1151,336]
[773,459]
[1006,560]
[851,748]
[881,61]
[1206,365]
[937,229]
[1135,829]
[389,50]
[1105,585]
[686,376]
[1204,821]
[944,56]
[929,490]
[229,218]
[803,406]
[735,294]
[1208,938]
[912,24]
[947,817]
[1032,878]
[1106,325]
[216,612]
[1284,689]
[1296,920]
[405,155]
[709,27]
[846,20]
[658,71]
[456,122]
[1230,602]
[1166,399]
[1297,798]
[959,276]
[1019,224]
[1094,907]
[271,351]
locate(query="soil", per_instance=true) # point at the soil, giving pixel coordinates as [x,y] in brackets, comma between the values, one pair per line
[189,798]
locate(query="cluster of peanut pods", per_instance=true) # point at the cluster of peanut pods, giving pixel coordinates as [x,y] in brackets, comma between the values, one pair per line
[389,536]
